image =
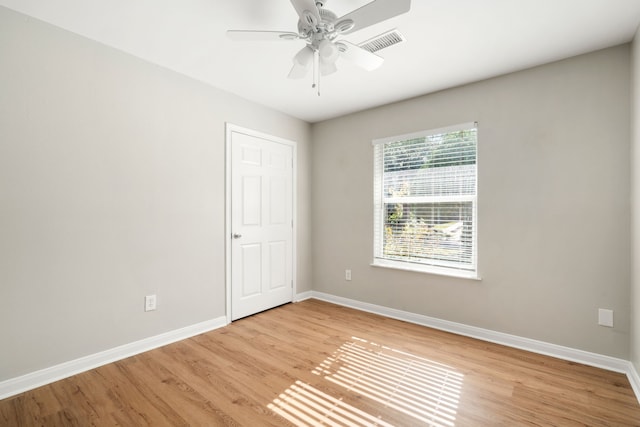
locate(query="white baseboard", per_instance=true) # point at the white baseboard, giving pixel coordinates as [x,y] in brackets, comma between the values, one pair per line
[303,296]
[561,352]
[634,379]
[17,385]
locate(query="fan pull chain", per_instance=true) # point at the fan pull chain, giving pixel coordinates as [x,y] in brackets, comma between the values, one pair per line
[316,71]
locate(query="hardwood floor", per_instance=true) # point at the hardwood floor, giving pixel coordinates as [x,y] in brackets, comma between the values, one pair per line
[314,363]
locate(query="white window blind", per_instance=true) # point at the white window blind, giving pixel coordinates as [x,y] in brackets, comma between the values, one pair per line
[425,201]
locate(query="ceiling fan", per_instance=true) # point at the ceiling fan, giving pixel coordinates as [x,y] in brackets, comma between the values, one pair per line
[320,29]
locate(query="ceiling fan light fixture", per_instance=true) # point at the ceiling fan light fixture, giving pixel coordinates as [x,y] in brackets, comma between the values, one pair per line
[304,57]
[328,52]
[327,68]
[301,63]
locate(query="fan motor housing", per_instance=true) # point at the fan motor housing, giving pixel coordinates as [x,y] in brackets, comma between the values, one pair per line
[327,19]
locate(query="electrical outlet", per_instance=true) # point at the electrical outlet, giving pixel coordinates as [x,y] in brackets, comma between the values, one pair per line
[347,274]
[605,317]
[150,303]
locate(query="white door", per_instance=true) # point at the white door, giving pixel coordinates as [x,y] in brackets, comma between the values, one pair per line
[261,223]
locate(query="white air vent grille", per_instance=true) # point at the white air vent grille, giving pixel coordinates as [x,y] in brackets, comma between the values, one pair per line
[382,41]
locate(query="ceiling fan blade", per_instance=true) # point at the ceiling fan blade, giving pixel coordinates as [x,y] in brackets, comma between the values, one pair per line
[298,71]
[374,12]
[359,56]
[251,36]
[308,12]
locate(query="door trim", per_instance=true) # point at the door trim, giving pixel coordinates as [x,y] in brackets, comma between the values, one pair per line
[229,129]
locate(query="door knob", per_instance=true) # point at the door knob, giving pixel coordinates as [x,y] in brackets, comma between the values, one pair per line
[236,235]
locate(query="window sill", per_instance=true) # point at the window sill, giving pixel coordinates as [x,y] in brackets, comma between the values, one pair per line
[398,265]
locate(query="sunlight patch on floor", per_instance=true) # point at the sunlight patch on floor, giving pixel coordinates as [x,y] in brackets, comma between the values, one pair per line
[305,405]
[425,390]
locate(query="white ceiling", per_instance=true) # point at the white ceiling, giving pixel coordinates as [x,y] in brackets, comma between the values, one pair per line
[449,43]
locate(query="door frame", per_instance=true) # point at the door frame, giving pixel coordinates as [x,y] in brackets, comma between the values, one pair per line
[230,128]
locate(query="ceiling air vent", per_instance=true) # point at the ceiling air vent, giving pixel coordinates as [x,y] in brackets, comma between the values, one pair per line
[382,41]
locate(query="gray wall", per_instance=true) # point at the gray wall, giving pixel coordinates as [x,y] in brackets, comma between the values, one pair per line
[112,187]
[635,198]
[554,210]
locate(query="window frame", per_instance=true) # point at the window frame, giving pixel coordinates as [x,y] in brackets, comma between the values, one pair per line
[379,209]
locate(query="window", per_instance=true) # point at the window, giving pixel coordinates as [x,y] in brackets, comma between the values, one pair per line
[425,201]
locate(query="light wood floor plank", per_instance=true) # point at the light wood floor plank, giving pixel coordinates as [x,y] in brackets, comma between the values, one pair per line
[318,364]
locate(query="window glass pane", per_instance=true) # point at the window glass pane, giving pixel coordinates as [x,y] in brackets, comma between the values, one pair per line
[435,233]
[442,181]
